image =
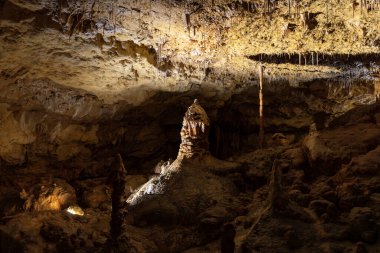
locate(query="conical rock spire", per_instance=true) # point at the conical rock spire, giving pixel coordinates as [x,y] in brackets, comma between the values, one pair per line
[194,132]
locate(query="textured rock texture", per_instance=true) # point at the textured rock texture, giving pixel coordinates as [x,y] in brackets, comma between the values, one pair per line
[275,200]
[81,81]
[81,68]
[194,132]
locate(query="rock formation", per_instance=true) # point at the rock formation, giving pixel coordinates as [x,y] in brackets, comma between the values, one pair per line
[187,192]
[81,81]
[117,197]
[194,132]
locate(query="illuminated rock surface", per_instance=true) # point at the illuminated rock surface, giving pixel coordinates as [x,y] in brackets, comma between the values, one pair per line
[81,81]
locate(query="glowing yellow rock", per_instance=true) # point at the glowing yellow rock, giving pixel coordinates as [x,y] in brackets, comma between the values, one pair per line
[76,210]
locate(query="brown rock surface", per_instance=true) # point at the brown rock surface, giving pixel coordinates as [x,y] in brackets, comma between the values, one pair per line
[54,195]
[328,150]
[81,81]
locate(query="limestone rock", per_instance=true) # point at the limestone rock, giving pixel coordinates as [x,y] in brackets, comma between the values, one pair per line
[194,132]
[329,149]
[52,194]
[296,156]
[363,225]
[359,248]
[323,207]
[189,191]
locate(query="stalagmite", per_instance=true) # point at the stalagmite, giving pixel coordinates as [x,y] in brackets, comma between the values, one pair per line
[118,185]
[279,202]
[277,198]
[194,132]
[227,240]
[217,148]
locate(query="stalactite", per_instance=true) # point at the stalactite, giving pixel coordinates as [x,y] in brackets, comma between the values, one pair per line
[317,59]
[297,8]
[361,7]
[170,14]
[299,58]
[114,19]
[140,21]
[188,22]
[261,131]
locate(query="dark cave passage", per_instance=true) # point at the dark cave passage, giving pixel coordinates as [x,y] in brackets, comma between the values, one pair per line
[150,133]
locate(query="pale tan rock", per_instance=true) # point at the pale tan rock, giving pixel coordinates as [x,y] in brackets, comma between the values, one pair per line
[79,133]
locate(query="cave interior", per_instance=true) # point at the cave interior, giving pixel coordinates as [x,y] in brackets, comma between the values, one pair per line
[165,126]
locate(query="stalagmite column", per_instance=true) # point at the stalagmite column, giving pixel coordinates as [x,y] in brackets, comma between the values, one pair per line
[118,185]
[277,198]
[261,132]
[194,132]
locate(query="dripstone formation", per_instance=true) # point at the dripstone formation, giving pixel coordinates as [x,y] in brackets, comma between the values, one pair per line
[187,193]
[194,133]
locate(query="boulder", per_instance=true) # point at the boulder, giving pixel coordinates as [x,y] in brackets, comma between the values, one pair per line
[363,225]
[329,149]
[321,207]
